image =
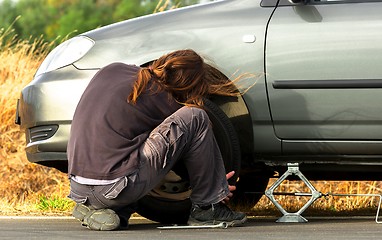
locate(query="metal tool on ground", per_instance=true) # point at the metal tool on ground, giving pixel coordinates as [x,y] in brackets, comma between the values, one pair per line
[220,225]
[293,169]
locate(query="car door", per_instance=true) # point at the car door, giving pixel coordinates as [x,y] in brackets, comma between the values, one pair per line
[324,76]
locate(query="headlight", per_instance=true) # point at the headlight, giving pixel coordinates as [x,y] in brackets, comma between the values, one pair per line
[66,53]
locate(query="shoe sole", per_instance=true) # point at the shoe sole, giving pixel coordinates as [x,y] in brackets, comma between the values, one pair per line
[102,220]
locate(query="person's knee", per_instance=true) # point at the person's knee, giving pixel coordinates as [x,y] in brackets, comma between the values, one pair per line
[193,114]
[200,113]
[200,119]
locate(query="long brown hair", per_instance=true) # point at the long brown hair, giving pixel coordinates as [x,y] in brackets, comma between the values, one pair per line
[186,76]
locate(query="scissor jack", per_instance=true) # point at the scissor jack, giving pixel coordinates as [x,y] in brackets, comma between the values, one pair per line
[293,169]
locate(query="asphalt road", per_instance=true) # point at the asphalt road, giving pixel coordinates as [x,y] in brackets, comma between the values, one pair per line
[141,229]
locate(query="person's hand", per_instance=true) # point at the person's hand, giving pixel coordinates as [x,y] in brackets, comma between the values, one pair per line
[231,188]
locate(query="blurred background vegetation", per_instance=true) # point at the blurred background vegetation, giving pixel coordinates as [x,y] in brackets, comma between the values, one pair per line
[57,19]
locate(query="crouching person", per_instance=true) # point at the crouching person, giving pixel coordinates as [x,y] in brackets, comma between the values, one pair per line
[132,125]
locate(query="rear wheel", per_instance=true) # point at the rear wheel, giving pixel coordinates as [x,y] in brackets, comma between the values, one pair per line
[169,201]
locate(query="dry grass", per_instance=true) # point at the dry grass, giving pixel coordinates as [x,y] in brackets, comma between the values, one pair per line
[26,187]
[22,183]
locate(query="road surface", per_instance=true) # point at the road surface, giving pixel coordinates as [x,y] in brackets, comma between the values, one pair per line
[58,228]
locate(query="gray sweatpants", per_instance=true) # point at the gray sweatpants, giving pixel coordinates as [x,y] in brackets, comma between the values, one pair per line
[187,136]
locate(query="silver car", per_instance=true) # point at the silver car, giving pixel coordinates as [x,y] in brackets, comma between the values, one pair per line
[315,98]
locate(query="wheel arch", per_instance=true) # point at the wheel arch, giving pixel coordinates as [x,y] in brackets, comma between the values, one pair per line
[237,111]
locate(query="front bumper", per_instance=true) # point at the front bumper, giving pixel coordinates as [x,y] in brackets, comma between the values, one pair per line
[45,111]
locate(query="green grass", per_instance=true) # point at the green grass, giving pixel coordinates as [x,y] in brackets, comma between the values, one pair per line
[54,204]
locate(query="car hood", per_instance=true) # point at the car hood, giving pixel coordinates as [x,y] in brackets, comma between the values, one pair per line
[143,39]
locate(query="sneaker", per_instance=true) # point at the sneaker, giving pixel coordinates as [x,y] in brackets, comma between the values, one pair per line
[101,219]
[215,214]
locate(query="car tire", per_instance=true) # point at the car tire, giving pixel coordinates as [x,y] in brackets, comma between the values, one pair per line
[172,211]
